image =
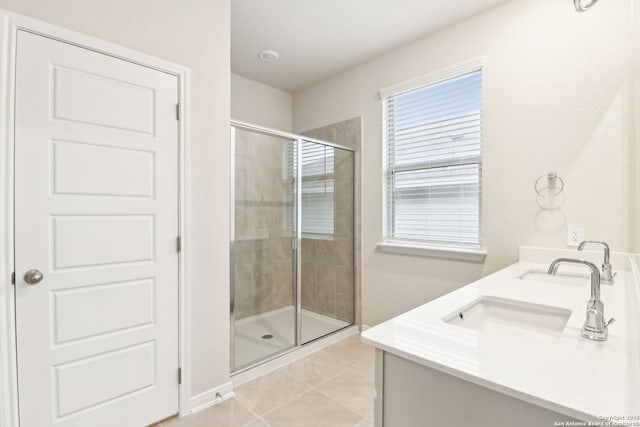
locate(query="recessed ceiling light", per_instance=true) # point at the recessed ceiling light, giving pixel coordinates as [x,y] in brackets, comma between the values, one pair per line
[269,55]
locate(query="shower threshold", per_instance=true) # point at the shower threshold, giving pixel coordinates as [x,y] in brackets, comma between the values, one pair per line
[260,337]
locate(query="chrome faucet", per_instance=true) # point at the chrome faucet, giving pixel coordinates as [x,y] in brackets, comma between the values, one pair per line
[606,277]
[594,328]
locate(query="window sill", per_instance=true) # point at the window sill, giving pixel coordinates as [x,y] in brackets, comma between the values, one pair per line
[317,236]
[447,252]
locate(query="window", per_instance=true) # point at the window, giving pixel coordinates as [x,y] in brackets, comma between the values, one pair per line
[317,185]
[317,189]
[432,160]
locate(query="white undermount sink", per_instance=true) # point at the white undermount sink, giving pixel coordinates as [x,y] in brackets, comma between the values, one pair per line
[492,311]
[562,277]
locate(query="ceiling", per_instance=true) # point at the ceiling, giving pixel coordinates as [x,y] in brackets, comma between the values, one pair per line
[318,38]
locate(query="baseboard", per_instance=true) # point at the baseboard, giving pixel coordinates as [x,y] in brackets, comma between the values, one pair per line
[365,327]
[207,399]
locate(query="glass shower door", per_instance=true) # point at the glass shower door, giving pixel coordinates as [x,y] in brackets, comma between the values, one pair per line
[327,247]
[263,267]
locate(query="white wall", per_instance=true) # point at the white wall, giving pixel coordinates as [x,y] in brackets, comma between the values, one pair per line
[196,34]
[256,103]
[556,98]
[635,154]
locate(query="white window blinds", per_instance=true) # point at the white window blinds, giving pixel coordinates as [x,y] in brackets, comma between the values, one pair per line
[432,161]
[317,188]
[318,201]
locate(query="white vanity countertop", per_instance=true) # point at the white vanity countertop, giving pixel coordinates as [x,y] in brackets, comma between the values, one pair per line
[559,371]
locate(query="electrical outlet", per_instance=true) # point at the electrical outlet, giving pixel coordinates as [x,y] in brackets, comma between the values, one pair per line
[575,234]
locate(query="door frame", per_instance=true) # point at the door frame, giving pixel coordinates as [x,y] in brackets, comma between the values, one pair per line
[10,24]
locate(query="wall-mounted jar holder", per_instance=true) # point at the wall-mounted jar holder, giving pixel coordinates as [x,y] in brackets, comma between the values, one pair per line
[548,187]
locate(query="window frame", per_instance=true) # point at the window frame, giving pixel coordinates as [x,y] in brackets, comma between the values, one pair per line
[442,249]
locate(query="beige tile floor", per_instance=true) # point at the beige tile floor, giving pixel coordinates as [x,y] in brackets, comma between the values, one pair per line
[331,388]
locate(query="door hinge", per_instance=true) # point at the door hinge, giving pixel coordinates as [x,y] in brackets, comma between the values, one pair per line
[178,112]
[179,375]
[13,278]
[294,243]
[179,244]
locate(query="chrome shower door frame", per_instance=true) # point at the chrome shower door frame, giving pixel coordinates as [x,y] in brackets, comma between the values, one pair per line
[297,293]
[297,233]
[232,239]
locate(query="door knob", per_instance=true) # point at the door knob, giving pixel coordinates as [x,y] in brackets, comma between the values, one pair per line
[33,277]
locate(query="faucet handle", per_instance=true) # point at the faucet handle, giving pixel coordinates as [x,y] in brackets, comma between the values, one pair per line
[607,274]
[609,322]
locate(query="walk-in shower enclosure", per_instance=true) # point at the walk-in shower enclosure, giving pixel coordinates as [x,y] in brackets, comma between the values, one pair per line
[292,242]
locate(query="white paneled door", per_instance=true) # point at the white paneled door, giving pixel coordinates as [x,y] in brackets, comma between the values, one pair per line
[96,226]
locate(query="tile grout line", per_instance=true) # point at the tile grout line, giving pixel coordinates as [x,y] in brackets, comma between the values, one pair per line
[343,358]
[323,394]
[310,386]
[330,378]
[364,369]
[352,366]
[287,401]
[341,404]
[252,412]
[339,357]
[363,420]
[284,370]
[333,376]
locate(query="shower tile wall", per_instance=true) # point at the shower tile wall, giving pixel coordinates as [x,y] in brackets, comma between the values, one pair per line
[262,258]
[328,264]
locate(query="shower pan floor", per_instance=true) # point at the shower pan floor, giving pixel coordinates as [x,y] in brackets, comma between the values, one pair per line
[260,336]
